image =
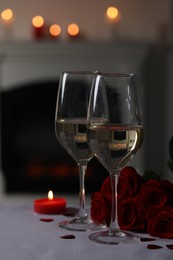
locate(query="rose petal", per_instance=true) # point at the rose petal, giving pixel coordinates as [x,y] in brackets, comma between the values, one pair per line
[152,246]
[46,219]
[170,246]
[68,237]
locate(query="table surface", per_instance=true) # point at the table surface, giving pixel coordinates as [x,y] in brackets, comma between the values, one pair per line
[24,236]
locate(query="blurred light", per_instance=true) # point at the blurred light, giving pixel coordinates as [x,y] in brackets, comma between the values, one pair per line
[37,21]
[112,12]
[55,30]
[73,29]
[7,14]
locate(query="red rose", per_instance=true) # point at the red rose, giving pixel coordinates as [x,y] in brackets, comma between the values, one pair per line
[129,182]
[161,225]
[168,190]
[129,217]
[151,198]
[100,209]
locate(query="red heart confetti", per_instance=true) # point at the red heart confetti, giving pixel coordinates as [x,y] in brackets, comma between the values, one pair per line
[170,246]
[46,219]
[152,246]
[68,237]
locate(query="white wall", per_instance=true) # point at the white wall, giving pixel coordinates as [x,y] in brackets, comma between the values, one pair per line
[140,18]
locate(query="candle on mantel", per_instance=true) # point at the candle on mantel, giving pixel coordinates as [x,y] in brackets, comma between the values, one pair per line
[73,31]
[55,31]
[7,17]
[113,17]
[50,205]
[38,27]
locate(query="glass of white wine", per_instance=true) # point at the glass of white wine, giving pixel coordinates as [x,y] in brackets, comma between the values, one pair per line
[71,131]
[115,134]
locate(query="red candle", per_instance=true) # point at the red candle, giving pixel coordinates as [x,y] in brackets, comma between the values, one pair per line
[38,27]
[50,205]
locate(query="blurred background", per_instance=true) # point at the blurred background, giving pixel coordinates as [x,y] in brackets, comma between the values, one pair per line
[38,40]
[138,20]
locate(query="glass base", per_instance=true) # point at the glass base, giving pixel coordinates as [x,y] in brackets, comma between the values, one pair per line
[78,224]
[114,237]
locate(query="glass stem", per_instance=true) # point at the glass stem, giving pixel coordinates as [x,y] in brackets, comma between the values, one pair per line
[114,227]
[82,211]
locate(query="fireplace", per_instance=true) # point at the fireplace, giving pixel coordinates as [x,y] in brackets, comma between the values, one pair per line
[31,157]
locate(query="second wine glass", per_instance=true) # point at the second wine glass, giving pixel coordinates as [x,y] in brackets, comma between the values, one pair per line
[71,131]
[115,134]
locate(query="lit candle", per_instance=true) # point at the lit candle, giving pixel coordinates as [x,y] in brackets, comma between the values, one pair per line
[73,30]
[50,205]
[113,17]
[55,31]
[7,17]
[38,26]
[112,13]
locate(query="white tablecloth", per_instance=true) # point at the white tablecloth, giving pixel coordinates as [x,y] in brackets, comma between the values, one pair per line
[24,237]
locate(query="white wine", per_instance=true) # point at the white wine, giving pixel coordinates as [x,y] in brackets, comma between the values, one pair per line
[115,145]
[72,134]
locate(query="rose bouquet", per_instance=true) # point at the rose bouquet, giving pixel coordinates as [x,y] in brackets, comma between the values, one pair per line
[145,203]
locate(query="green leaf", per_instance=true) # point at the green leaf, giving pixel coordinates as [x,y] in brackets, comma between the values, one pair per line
[151,175]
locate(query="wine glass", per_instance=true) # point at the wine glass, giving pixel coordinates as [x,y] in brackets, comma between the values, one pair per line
[71,131]
[115,134]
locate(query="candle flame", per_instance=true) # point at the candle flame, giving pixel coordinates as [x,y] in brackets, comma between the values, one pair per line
[50,195]
[37,21]
[55,30]
[73,29]
[7,14]
[112,13]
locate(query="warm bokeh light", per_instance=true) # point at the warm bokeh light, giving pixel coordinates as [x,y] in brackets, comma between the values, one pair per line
[50,195]
[112,12]
[73,29]
[7,14]
[55,30]
[37,21]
